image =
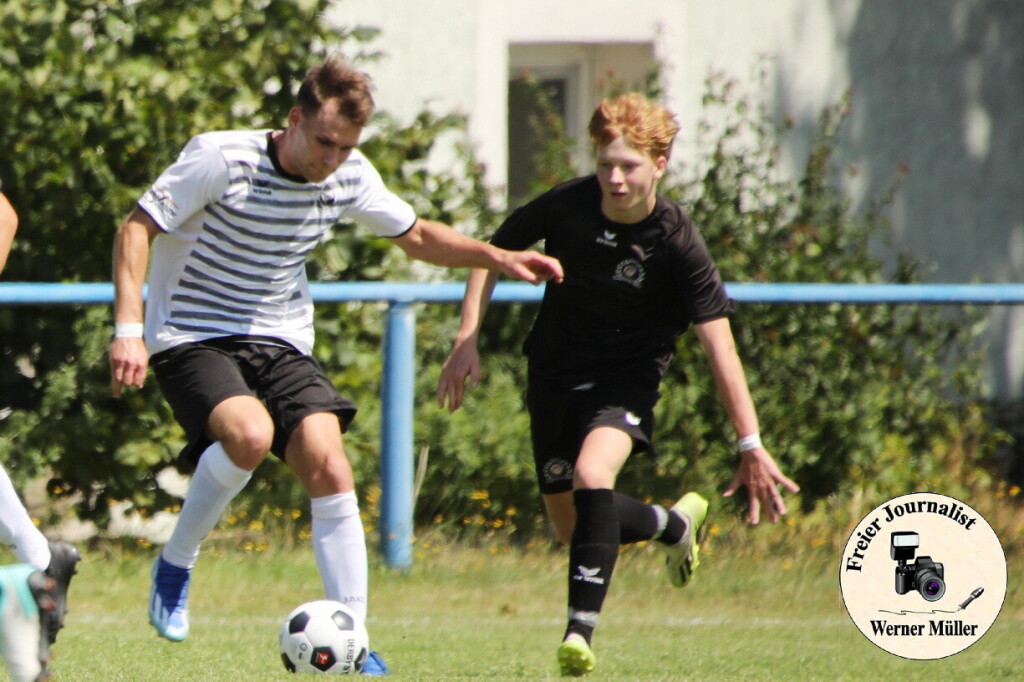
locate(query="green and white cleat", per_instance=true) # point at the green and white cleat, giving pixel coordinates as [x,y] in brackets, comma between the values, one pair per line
[575,657]
[683,558]
[25,597]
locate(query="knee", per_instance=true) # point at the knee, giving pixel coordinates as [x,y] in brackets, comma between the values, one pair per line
[325,474]
[248,445]
[593,476]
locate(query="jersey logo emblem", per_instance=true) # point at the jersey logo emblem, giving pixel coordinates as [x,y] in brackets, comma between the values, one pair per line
[632,419]
[630,271]
[164,203]
[607,239]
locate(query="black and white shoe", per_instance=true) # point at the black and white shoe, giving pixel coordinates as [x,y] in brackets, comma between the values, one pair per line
[64,557]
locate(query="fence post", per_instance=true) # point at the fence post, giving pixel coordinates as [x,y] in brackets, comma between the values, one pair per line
[396,462]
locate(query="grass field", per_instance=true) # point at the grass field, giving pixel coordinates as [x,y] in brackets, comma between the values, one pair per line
[496,613]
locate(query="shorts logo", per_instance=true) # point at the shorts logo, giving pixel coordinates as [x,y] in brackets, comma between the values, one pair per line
[556,470]
[607,239]
[161,199]
[632,419]
[630,271]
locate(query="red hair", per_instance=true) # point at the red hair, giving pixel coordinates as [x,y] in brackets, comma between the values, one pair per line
[645,125]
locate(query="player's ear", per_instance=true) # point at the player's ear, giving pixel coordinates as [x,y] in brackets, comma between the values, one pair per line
[659,167]
[294,117]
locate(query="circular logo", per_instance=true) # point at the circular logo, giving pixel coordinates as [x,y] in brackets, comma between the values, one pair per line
[923,576]
[630,271]
[557,470]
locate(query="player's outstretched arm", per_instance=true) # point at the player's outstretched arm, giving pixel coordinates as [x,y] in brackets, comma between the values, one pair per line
[8,226]
[439,244]
[128,357]
[758,470]
[464,360]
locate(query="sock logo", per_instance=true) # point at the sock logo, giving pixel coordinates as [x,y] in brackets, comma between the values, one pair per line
[588,575]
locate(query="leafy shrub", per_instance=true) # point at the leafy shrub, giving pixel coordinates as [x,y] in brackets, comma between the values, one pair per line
[865,401]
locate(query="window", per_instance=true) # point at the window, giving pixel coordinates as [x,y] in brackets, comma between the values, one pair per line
[573,77]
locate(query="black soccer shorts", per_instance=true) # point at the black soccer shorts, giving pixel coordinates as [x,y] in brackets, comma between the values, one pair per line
[196,377]
[561,418]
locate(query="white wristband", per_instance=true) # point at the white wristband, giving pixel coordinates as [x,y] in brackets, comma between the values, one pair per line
[751,442]
[128,330]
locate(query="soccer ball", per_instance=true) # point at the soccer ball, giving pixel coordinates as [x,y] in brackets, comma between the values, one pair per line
[324,637]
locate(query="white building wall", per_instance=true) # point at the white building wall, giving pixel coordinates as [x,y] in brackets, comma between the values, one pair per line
[937,88]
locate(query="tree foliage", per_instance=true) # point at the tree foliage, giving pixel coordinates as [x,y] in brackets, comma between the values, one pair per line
[96,98]
[855,401]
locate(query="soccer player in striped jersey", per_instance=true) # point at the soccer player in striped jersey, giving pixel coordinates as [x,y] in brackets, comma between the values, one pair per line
[228,328]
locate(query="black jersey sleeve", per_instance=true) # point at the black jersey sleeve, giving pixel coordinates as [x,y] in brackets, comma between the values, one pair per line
[521,230]
[531,222]
[701,286]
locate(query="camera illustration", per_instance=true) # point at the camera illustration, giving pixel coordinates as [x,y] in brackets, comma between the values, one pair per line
[923,575]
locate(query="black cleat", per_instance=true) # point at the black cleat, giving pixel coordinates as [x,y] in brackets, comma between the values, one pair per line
[63,558]
[42,587]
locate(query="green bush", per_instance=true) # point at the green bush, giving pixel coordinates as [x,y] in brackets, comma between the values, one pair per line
[866,401]
[98,97]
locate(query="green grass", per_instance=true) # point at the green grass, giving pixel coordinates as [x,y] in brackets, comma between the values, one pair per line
[495,614]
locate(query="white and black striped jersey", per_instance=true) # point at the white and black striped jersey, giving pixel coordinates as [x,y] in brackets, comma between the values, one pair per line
[237,230]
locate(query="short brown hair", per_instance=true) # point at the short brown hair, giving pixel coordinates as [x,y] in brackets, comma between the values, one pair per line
[646,126]
[334,79]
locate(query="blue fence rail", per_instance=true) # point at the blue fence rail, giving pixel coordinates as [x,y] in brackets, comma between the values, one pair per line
[396,465]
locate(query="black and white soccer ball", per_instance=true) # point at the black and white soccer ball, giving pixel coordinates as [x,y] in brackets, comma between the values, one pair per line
[324,637]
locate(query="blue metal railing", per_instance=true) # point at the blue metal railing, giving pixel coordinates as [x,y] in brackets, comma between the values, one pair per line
[47,293]
[399,371]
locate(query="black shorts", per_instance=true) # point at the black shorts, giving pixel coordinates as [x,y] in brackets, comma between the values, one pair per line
[560,419]
[196,377]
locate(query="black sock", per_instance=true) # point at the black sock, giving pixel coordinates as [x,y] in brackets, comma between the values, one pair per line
[675,529]
[592,555]
[637,521]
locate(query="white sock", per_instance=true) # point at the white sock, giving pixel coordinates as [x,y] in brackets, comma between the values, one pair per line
[17,529]
[661,514]
[214,484]
[339,545]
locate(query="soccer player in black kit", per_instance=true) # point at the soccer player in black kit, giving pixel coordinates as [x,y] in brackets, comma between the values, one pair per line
[637,275]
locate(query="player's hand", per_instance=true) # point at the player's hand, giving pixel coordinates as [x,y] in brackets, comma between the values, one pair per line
[128,363]
[463,362]
[761,475]
[532,267]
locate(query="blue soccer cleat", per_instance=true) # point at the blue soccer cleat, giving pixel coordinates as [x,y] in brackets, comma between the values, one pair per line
[168,600]
[374,666]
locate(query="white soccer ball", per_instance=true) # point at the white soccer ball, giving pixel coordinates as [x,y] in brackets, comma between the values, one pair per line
[324,637]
